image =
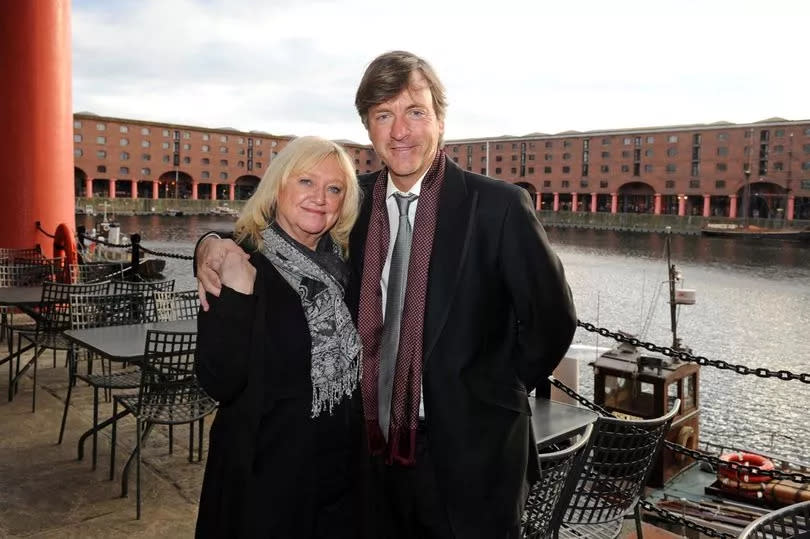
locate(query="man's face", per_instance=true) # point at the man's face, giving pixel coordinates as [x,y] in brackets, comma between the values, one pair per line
[405,132]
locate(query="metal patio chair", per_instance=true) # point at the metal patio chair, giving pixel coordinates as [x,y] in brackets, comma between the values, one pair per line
[617,462]
[784,523]
[91,311]
[169,394]
[95,272]
[53,318]
[14,254]
[182,305]
[20,275]
[146,288]
[557,469]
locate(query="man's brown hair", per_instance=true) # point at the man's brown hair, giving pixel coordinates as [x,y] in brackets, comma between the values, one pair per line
[389,74]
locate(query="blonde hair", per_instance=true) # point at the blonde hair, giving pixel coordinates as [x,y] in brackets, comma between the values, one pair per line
[299,156]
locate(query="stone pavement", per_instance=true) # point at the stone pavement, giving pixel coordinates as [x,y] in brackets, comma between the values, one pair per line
[46,492]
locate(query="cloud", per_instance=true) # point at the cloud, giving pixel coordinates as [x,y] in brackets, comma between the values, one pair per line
[513,67]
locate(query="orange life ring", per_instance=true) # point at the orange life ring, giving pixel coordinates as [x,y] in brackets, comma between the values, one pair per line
[65,246]
[747,459]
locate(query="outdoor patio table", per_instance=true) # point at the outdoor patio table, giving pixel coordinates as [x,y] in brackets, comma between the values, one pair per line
[25,298]
[553,421]
[120,343]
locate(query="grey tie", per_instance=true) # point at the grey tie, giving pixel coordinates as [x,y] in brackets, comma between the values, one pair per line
[395,297]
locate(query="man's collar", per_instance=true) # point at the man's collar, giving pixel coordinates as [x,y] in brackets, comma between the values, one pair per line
[390,188]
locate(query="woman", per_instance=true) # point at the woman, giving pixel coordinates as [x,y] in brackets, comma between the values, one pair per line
[280,353]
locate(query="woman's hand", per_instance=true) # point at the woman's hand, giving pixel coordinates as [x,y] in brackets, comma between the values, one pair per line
[237,273]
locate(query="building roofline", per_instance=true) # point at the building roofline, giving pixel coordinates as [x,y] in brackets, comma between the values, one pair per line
[715,126]
[85,115]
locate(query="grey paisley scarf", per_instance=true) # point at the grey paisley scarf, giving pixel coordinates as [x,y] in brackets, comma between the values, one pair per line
[335,344]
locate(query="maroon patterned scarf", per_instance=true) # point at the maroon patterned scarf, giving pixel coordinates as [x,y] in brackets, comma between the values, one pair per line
[408,374]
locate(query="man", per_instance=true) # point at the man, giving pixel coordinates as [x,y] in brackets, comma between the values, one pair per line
[463,309]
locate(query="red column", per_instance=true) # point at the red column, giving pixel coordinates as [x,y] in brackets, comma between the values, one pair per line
[193,190]
[614,203]
[134,189]
[573,202]
[707,205]
[88,187]
[657,203]
[593,202]
[112,188]
[791,208]
[36,140]
[556,201]
[231,191]
[681,205]
[732,210]
[155,187]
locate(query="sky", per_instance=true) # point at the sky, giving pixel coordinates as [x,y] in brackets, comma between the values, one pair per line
[510,67]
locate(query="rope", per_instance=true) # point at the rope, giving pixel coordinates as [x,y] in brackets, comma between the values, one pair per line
[39,227]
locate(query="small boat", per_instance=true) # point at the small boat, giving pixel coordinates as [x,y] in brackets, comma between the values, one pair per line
[224,210]
[733,230]
[95,252]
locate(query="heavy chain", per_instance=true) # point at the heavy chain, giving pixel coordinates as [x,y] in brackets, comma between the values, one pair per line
[140,247]
[682,355]
[102,242]
[678,519]
[166,255]
[741,469]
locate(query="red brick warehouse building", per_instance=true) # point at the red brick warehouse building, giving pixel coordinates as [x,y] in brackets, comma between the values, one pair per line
[684,170]
[124,158]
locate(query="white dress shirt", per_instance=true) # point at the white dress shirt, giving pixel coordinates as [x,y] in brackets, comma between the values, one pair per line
[393,223]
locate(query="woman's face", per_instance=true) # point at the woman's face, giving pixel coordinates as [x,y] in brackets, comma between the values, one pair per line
[309,204]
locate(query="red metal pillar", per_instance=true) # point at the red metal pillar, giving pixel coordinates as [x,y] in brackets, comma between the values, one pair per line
[593,202]
[88,187]
[614,203]
[732,211]
[791,208]
[36,142]
[112,188]
[707,205]
[681,205]
[155,187]
[574,202]
[657,203]
[133,193]
[556,202]
[194,191]
[231,191]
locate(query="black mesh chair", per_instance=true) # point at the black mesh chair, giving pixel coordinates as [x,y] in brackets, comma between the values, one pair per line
[141,287]
[169,394]
[95,272]
[170,306]
[790,521]
[147,288]
[617,462]
[13,254]
[12,275]
[544,505]
[53,318]
[92,311]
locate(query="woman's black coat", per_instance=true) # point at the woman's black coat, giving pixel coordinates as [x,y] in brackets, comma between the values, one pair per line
[254,357]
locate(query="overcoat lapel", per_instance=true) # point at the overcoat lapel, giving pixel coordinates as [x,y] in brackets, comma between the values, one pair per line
[454,222]
[357,241]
